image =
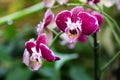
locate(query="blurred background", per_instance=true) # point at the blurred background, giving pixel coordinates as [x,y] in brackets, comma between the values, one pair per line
[76,63]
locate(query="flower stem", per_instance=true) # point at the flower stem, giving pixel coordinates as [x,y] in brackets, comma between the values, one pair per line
[22,13]
[53,31]
[55,39]
[96,58]
[110,61]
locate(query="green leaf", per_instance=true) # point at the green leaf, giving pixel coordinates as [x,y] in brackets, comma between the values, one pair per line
[64,58]
[49,72]
[4,54]
[78,73]
[10,31]
[19,73]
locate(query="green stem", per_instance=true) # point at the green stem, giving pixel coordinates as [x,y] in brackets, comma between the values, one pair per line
[52,31]
[55,39]
[113,31]
[109,17]
[110,61]
[78,4]
[22,13]
[33,9]
[115,23]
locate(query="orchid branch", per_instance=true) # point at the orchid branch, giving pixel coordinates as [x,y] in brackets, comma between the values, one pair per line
[53,31]
[55,39]
[110,18]
[22,13]
[96,57]
[110,61]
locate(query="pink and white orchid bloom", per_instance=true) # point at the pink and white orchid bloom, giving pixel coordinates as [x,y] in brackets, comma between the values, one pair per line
[43,26]
[50,3]
[77,23]
[36,51]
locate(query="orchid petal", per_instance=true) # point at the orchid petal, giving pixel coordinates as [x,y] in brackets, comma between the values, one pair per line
[35,65]
[118,6]
[96,1]
[35,60]
[41,39]
[71,45]
[57,58]
[48,3]
[82,38]
[62,18]
[62,1]
[49,35]
[99,17]
[47,53]
[89,23]
[72,34]
[29,45]
[65,39]
[93,1]
[48,17]
[40,28]
[26,57]
[75,11]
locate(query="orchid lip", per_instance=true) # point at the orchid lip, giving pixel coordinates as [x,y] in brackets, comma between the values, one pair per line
[73,30]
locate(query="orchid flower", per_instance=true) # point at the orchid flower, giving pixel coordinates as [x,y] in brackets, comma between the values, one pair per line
[93,1]
[110,3]
[50,3]
[77,24]
[118,4]
[43,26]
[36,51]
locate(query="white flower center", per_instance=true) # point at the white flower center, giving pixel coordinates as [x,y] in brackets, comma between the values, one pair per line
[73,29]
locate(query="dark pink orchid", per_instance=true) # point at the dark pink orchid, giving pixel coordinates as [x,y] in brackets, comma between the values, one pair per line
[50,3]
[93,1]
[36,51]
[43,26]
[77,23]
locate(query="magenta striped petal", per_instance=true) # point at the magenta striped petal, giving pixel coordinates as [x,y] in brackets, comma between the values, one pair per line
[47,53]
[57,58]
[48,17]
[29,45]
[48,3]
[62,18]
[99,17]
[41,39]
[94,1]
[82,38]
[89,23]
[75,11]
